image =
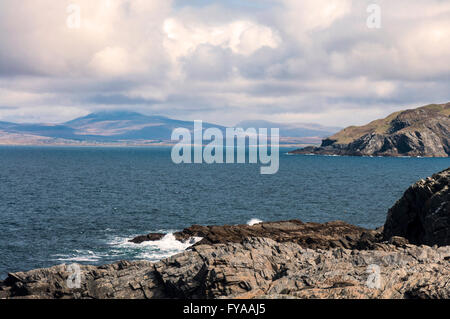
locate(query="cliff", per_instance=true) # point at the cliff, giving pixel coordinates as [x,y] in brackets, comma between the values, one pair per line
[424,131]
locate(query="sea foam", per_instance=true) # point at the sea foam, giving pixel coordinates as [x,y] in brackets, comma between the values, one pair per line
[254,221]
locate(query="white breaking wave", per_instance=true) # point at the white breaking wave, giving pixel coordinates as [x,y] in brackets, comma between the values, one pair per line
[155,250]
[254,221]
[80,256]
[121,248]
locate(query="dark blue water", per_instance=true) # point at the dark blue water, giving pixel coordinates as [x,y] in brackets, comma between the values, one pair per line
[60,205]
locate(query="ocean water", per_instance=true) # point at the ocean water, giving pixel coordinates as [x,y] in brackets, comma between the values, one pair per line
[64,205]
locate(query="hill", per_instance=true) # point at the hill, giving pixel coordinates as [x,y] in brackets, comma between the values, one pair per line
[293,129]
[424,131]
[131,128]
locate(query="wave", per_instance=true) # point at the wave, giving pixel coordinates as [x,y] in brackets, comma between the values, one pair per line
[80,256]
[154,250]
[120,248]
[254,221]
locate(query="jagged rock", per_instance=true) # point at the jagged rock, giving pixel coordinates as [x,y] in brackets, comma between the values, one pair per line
[255,268]
[311,235]
[134,280]
[398,241]
[424,131]
[422,215]
[148,237]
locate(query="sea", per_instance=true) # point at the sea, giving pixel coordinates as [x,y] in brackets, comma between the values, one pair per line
[63,205]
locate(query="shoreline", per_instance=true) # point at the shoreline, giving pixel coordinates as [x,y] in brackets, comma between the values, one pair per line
[409,257]
[255,267]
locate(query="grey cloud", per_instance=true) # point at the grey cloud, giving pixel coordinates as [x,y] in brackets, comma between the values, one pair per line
[118,99]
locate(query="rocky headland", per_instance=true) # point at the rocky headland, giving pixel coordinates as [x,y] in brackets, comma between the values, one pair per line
[424,131]
[409,257]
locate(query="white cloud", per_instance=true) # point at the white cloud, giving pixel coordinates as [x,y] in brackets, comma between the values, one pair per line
[111,61]
[308,15]
[242,37]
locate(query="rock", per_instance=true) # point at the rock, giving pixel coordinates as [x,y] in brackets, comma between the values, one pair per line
[311,235]
[255,268]
[398,241]
[135,280]
[424,131]
[422,215]
[148,237]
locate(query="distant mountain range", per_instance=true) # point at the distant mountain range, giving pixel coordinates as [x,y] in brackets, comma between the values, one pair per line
[424,131]
[131,128]
[293,130]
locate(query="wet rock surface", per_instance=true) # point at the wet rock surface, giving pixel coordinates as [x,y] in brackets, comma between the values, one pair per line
[148,237]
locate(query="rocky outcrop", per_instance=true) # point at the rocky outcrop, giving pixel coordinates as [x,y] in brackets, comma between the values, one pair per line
[308,235]
[422,215]
[121,280]
[255,268]
[424,131]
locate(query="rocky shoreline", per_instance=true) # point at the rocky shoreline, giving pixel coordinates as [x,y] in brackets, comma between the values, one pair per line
[409,257]
[311,235]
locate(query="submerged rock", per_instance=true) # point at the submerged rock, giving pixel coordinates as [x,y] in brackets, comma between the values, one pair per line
[422,215]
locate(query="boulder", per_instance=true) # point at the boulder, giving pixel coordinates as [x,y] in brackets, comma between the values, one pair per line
[422,215]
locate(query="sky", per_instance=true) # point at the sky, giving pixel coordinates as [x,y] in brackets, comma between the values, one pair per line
[289,61]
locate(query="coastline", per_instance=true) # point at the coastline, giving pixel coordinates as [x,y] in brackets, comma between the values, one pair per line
[408,257]
[257,267]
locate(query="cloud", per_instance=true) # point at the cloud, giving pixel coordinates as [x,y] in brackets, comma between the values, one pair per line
[113,37]
[312,60]
[241,37]
[312,15]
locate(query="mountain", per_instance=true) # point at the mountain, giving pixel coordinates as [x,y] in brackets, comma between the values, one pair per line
[49,130]
[300,134]
[101,127]
[293,130]
[134,128]
[124,125]
[424,131]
